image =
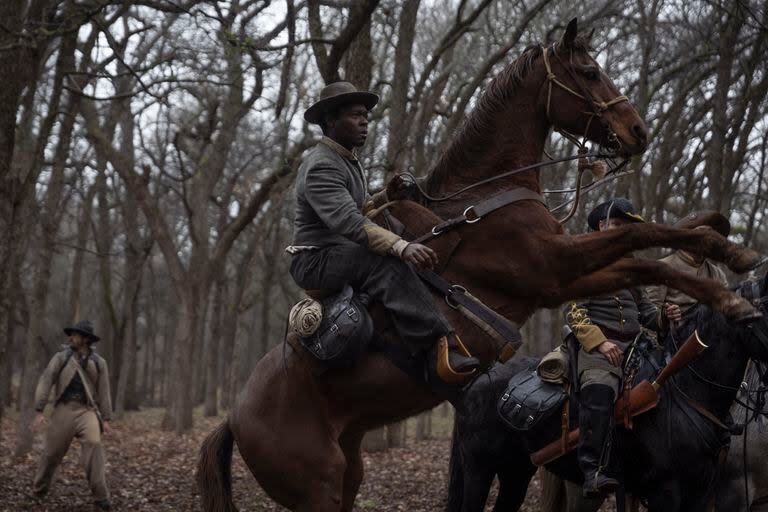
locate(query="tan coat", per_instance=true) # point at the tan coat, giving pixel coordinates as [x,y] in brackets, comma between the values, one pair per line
[659,294]
[65,367]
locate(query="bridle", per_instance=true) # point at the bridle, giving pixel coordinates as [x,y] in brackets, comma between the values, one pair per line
[598,107]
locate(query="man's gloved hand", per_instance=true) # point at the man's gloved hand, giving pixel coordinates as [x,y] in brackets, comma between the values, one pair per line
[419,255]
[611,351]
[398,188]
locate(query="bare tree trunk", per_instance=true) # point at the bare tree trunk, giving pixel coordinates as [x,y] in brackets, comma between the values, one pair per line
[128,358]
[396,434]
[375,440]
[358,60]
[178,416]
[164,366]
[147,377]
[106,312]
[398,132]
[132,394]
[212,356]
[11,65]
[202,349]
[227,361]
[715,163]
[77,266]
[424,426]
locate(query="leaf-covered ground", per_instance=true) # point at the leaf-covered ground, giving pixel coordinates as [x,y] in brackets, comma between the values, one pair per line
[152,470]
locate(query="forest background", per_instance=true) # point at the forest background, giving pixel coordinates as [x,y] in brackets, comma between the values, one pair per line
[148,150]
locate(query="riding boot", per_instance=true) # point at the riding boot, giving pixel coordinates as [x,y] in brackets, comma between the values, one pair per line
[595,423]
[453,363]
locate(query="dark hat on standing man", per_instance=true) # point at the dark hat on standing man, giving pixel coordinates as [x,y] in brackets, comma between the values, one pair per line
[711,218]
[336,94]
[617,207]
[84,328]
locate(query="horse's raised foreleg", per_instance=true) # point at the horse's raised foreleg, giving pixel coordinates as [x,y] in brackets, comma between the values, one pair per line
[630,272]
[590,252]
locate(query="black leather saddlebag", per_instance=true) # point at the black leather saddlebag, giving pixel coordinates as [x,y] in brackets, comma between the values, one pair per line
[345,330]
[528,400]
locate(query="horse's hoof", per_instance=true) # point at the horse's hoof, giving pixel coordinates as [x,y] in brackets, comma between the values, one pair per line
[749,318]
[741,311]
[746,260]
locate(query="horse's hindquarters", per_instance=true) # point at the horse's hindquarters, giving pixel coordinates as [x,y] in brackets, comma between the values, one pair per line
[287,422]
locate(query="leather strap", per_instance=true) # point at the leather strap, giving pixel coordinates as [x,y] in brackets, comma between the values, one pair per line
[91,402]
[476,212]
[704,412]
[457,296]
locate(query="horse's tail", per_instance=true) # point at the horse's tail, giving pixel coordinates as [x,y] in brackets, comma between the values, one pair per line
[214,470]
[455,471]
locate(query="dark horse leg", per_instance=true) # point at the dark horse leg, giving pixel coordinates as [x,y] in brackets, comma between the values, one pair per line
[666,498]
[630,272]
[590,252]
[513,485]
[353,476]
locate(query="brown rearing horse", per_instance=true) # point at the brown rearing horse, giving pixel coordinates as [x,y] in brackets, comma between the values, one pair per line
[299,429]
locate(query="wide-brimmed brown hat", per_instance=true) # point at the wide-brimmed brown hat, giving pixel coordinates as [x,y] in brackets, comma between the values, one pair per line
[84,328]
[711,218]
[337,94]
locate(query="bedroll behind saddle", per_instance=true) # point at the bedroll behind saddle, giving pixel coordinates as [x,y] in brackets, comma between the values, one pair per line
[345,331]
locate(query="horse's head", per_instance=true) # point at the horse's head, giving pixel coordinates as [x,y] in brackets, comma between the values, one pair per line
[581,99]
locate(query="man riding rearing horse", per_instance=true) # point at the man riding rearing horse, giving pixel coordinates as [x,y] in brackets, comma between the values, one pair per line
[336,244]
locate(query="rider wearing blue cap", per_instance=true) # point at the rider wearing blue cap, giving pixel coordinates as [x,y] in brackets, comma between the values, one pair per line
[604,327]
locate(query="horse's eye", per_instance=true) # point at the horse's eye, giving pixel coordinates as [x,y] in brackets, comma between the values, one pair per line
[591,73]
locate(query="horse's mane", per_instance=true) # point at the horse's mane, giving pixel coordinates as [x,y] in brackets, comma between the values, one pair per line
[471,137]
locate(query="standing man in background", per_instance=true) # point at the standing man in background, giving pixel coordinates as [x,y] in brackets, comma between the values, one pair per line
[82,409]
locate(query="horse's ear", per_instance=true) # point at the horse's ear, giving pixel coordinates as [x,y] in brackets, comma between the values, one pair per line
[589,36]
[570,33]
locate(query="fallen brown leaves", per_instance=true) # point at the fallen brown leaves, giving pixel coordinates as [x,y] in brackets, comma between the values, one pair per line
[152,470]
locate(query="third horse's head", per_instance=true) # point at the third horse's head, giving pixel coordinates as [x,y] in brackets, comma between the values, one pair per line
[581,99]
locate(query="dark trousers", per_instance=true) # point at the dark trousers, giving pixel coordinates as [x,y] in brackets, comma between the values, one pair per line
[386,279]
